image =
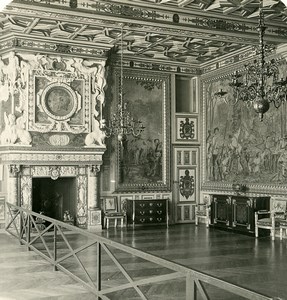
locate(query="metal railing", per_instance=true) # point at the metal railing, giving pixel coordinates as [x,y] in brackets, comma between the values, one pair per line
[94,261]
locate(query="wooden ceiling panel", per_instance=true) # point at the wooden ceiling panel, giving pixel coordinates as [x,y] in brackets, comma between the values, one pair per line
[244,8]
[187,31]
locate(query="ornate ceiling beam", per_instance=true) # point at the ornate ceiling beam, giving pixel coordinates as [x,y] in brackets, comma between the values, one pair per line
[183,3]
[138,15]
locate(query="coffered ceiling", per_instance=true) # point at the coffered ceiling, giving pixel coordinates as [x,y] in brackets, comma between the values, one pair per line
[191,32]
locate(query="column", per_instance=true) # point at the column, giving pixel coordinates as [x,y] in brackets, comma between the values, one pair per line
[94,205]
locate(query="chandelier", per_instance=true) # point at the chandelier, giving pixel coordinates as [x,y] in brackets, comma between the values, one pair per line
[259,85]
[121,122]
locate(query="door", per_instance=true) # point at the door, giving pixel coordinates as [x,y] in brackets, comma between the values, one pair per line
[185,183]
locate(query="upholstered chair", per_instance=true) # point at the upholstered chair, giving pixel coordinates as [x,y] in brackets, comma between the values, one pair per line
[283,226]
[202,211]
[270,220]
[111,212]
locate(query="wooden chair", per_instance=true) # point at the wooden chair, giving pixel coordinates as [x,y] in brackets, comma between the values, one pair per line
[111,212]
[271,219]
[283,226]
[202,211]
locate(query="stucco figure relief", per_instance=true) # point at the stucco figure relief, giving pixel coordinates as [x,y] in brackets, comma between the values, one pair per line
[82,201]
[14,131]
[98,94]
[4,84]
[10,79]
[96,137]
[12,70]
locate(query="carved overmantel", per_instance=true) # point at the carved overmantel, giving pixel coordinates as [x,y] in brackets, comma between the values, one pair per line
[50,124]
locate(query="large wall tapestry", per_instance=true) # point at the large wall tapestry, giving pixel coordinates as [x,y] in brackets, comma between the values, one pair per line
[240,148]
[144,160]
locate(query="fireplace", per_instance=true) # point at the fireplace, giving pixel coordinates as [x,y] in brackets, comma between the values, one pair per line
[55,150]
[55,189]
[54,197]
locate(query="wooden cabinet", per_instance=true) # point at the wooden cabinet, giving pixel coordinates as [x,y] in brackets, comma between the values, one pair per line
[151,211]
[236,212]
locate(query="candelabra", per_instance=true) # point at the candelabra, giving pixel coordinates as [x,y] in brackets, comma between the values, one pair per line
[121,122]
[259,84]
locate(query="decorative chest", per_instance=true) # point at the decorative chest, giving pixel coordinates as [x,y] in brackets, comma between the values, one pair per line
[151,211]
[237,212]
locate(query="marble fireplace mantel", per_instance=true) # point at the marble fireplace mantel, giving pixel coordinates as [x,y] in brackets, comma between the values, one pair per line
[49,156]
[25,163]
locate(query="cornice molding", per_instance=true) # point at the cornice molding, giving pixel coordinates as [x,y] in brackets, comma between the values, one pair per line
[54,46]
[157,65]
[117,13]
[23,155]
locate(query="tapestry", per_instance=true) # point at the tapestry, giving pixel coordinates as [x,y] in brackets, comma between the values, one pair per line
[143,159]
[238,146]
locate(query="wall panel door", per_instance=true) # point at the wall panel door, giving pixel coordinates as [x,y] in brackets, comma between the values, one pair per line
[185,183]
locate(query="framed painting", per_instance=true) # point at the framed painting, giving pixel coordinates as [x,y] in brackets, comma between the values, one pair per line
[238,147]
[143,161]
[123,202]
[60,102]
[110,203]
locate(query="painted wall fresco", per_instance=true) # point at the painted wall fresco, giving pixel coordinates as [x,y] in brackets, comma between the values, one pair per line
[240,148]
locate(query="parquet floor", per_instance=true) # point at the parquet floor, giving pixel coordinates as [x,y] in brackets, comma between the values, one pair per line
[257,264]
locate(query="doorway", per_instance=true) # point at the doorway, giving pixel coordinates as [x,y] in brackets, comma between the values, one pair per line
[54,197]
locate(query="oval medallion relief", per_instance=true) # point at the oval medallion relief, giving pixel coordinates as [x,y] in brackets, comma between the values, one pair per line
[59,140]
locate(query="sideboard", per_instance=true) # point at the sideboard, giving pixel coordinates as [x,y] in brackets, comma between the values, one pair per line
[147,211]
[236,212]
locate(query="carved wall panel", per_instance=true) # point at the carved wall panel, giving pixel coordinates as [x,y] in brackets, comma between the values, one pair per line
[52,100]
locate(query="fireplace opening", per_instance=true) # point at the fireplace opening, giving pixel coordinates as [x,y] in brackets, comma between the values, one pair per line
[54,197]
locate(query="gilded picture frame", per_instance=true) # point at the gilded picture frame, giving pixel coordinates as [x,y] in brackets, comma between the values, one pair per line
[148,156]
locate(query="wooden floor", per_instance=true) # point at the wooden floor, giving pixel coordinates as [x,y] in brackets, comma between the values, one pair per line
[257,264]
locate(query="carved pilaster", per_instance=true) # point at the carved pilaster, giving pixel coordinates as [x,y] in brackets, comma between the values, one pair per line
[13,184]
[95,217]
[93,201]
